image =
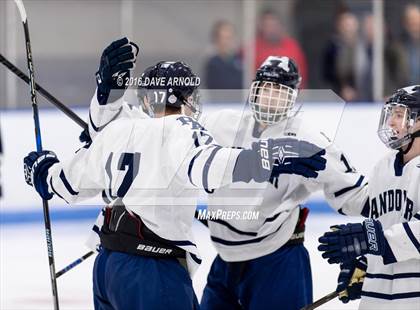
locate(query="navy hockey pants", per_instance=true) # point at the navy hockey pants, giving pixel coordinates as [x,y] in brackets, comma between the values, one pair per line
[124,282]
[280,280]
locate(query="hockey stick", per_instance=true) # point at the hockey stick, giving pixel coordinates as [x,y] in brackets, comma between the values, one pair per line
[321,301]
[73,264]
[38,139]
[73,116]
[44,93]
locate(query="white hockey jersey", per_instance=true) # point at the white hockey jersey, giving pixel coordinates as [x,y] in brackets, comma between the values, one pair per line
[154,166]
[394,199]
[277,202]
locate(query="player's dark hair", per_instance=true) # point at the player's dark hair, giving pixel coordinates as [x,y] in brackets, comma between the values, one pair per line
[167,109]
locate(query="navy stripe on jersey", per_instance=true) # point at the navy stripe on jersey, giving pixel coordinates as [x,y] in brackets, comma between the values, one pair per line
[411,236]
[417,216]
[270,219]
[232,228]
[385,276]
[391,296]
[67,184]
[207,168]
[190,166]
[97,129]
[105,197]
[341,211]
[196,143]
[242,242]
[366,208]
[55,192]
[347,189]
[96,229]
[92,123]
[195,258]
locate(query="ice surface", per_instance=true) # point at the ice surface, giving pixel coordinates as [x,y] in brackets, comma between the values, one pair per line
[25,275]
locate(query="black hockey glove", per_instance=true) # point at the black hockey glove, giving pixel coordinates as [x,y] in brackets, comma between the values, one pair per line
[347,242]
[114,69]
[272,157]
[350,279]
[36,165]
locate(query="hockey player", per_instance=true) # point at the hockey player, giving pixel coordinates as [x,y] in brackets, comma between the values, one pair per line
[262,264]
[147,169]
[390,239]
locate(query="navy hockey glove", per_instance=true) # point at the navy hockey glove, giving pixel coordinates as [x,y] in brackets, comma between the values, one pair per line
[347,242]
[350,279]
[298,157]
[36,165]
[269,158]
[114,69]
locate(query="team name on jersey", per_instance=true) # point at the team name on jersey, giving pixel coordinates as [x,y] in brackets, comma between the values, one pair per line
[185,120]
[393,200]
[201,135]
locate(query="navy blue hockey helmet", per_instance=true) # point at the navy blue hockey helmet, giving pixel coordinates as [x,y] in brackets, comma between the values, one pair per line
[279,70]
[273,92]
[170,83]
[398,125]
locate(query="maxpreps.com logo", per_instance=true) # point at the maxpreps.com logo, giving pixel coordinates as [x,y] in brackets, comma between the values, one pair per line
[220,214]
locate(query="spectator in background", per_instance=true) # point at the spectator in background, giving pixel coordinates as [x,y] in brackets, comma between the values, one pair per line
[395,72]
[272,39]
[411,42]
[224,69]
[344,58]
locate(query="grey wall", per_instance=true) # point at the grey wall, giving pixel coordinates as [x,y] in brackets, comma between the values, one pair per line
[68,37]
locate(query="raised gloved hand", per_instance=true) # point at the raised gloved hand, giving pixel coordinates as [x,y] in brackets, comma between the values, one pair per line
[347,242]
[36,165]
[350,279]
[270,158]
[114,69]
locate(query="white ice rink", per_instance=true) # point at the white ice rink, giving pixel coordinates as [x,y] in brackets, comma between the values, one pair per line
[24,269]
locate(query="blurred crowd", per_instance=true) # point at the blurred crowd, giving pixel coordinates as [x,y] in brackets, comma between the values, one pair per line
[347,57]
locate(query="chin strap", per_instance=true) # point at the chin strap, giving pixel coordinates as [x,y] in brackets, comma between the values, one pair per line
[413,137]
